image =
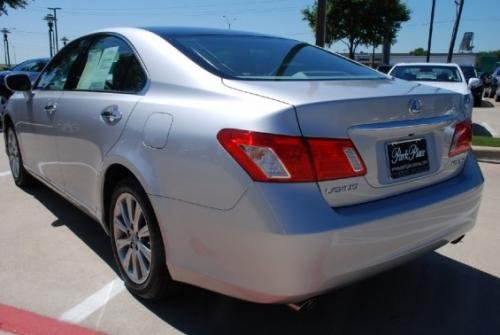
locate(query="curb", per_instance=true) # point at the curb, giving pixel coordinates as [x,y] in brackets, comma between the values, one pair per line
[487,154]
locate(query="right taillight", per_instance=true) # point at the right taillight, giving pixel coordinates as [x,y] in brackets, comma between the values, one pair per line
[279,158]
[462,138]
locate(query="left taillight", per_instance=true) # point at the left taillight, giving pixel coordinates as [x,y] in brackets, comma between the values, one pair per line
[462,138]
[279,158]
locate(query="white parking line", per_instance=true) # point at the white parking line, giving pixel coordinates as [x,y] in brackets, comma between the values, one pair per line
[91,304]
[4,174]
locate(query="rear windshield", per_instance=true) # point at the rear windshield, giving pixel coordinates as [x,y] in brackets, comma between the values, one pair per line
[427,73]
[267,58]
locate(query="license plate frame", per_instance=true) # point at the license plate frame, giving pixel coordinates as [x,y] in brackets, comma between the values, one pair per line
[407,158]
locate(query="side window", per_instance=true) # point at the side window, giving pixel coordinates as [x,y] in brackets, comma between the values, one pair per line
[56,74]
[111,66]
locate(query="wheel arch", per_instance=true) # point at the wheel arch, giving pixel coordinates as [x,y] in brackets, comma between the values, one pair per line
[112,174]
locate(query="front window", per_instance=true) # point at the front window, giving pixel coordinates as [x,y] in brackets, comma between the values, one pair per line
[427,73]
[267,58]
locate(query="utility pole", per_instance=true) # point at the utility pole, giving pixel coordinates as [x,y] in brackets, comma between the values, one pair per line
[50,22]
[321,24]
[455,30]
[5,31]
[56,39]
[430,31]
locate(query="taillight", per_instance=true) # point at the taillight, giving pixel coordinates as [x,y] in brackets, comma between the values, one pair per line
[279,158]
[462,138]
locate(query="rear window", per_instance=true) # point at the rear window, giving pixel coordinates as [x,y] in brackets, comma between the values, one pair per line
[267,58]
[427,73]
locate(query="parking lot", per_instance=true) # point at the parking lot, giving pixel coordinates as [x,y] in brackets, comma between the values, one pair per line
[57,262]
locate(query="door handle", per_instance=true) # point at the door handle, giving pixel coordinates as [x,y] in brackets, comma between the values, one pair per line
[50,109]
[111,114]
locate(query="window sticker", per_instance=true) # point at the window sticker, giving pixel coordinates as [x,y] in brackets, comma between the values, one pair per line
[98,69]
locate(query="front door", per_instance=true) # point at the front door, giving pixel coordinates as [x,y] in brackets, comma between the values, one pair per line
[40,128]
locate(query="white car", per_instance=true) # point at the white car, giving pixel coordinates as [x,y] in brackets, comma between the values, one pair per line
[447,76]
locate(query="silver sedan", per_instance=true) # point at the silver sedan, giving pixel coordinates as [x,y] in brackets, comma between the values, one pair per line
[255,166]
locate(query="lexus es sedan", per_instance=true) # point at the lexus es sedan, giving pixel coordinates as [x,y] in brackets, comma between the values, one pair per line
[447,76]
[259,167]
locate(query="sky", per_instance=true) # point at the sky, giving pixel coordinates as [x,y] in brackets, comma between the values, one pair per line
[29,33]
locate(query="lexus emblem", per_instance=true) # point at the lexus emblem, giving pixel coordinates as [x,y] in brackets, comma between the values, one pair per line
[415,106]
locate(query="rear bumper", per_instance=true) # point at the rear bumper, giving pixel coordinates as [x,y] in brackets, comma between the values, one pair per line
[283,243]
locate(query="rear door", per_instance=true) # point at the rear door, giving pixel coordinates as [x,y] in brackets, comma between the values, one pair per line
[39,128]
[91,114]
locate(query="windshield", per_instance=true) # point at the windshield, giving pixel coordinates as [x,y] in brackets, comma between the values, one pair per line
[427,73]
[267,58]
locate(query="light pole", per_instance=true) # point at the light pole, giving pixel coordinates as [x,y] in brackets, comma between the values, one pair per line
[228,21]
[56,39]
[321,24]
[455,29]
[65,40]
[429,41]
[5,32]
[50,22]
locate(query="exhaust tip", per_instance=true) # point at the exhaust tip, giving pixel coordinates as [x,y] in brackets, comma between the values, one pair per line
[458,240]
[303,306]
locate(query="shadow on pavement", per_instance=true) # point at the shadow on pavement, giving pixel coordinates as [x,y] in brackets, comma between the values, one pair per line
[84,227]
[486,104]
[433,294]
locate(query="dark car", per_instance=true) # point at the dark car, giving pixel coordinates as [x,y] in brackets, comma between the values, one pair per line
[384,68]
[469,72]
[495,87]
[31,67]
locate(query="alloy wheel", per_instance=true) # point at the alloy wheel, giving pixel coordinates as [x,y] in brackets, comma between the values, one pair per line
[13,153]
[132,238]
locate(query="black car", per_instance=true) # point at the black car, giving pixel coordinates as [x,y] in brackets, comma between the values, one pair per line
[31,67]
[469,71]
[384,68]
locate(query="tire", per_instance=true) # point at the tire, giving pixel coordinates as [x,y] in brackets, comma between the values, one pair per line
[21,177]
[132,240]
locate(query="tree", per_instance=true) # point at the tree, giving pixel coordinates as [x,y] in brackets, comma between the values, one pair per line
[418,52]
[12,4]
[360,22]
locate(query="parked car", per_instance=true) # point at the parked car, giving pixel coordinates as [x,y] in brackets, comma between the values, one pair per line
[30,67]
[384,68]
[477,91]
[495,79]
[448,76]
[259,167]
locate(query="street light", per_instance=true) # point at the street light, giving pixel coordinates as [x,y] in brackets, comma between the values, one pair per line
[5,31]
[228,21]
[65,40]
[50,22]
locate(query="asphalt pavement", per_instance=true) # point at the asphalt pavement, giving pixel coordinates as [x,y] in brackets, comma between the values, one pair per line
[57,262]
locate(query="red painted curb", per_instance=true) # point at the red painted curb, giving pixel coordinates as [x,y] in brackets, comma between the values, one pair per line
[18,321]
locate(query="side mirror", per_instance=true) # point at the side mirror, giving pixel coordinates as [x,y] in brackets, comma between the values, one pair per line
[18,82]
[474,82]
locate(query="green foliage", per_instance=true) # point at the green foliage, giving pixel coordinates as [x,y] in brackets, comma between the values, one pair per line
[418,52]
[360,22]
[486,141]
[12,4]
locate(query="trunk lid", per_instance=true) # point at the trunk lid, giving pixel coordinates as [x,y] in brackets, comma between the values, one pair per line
[375,115]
